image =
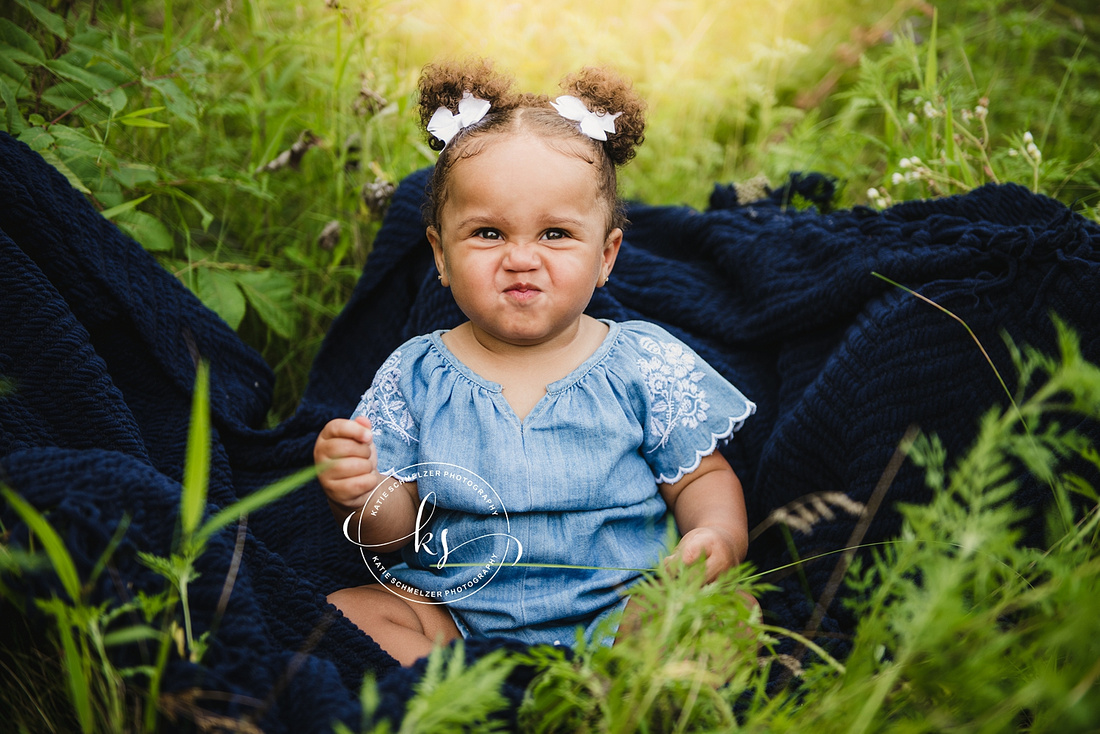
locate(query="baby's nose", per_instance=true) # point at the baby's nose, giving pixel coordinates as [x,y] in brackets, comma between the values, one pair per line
[522,256]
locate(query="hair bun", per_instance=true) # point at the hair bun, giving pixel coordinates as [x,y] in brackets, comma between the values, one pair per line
[442,85]
[602,90]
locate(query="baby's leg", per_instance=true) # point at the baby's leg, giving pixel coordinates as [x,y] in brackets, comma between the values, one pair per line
[405,629]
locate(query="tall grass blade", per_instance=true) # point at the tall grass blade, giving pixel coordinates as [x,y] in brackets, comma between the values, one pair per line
[931,70]
[257,499]
[55,549]
[74,669]
[196,473]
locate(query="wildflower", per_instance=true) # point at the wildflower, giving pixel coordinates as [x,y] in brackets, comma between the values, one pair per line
[1027,138]
[912,118]
[981,112]
[930,110]
[1033,151]
[877,198]
[904,163]
[897,179]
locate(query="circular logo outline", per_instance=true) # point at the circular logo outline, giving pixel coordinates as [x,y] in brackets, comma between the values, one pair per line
[409,589]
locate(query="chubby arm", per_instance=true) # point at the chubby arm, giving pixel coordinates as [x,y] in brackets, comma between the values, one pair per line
[709,508]
[347,464]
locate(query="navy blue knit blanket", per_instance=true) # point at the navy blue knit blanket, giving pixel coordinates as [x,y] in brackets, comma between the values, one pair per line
[98,350]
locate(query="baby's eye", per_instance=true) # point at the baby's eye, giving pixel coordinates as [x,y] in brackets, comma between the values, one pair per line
[486,233]
[556,234]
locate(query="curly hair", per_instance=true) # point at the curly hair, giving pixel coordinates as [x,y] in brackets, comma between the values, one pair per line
[602,90]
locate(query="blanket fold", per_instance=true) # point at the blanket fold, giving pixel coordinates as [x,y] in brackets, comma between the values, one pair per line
[98,347]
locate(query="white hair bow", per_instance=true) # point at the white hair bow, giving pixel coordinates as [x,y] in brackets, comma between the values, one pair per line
[595,125]
[445,124]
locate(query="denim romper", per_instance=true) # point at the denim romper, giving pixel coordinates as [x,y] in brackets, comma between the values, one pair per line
[505,503]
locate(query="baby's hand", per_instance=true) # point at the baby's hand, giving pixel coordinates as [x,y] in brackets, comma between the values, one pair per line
[719,547]
[344,452]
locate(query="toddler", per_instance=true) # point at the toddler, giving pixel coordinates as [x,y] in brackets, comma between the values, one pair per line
[497,456]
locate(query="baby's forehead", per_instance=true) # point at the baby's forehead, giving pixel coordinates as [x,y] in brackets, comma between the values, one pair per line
[528,138]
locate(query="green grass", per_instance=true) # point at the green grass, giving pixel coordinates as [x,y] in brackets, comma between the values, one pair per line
[172,119]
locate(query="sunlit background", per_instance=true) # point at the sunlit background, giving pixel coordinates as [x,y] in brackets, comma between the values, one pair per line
[729,74]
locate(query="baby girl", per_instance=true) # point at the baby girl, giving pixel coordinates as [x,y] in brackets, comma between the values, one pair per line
[524,463]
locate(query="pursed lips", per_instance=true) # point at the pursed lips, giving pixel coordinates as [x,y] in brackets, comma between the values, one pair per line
[522,291]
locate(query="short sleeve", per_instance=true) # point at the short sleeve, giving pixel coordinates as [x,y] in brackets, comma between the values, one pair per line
[386,404]
[690,409]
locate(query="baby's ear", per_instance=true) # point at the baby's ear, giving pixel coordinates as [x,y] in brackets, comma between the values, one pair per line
[610,252]
[437,251]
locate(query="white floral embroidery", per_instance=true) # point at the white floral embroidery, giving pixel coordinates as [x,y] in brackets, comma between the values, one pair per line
[385,405]
[674,383]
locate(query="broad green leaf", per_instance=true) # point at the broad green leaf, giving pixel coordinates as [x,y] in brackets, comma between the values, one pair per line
[219,291]
[125,207]
[147,230]
[73,98]
[21,41]
[37,138]
[51,542]
[96,83]
[59,164]
[196,472]
[13,118]
[132,175]
[114,98]
[272,295]
[54,23]
[73,144]
[9,67]
[177,102]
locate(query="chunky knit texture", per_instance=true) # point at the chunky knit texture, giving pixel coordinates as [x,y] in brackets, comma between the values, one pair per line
[99,346]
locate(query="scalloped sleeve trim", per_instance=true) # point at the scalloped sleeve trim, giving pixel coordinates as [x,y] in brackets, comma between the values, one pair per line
[716,439]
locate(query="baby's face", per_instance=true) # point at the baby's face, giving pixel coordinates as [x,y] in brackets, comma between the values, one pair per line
[523,240]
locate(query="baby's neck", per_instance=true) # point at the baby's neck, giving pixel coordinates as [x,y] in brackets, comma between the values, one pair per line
[524,371]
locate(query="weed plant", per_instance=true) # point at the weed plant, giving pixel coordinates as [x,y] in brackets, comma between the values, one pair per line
[251,145]
[77,664]
[962,627]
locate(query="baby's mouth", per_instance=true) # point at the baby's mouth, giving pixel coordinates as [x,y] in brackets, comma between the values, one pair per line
[522,291]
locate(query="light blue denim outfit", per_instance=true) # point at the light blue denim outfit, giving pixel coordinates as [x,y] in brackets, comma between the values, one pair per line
[574,483]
